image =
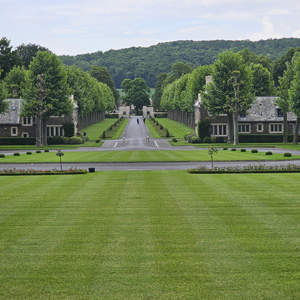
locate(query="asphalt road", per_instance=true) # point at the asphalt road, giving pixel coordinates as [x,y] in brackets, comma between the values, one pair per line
[135,138]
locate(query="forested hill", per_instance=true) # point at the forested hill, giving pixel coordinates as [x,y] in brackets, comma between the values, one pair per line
[149,62]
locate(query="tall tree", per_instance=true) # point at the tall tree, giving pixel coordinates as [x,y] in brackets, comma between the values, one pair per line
[294,95]
[47,92]
[262,82]
[102,75]
[136,93]
[15,81]
[231,90]
[3,96]
[158,90]
[8,57]
[28,52]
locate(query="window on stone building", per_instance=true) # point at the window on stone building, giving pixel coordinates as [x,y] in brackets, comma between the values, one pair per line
[219,130]
[25,134]
[275,128]
[14,131]
[27,121]
[55,130]
[279,112]
[244,128]
[260,127]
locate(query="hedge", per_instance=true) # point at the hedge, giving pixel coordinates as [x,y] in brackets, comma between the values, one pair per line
[17,141]
[264,138]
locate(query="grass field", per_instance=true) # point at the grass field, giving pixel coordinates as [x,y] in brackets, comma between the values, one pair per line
[143,156]
[150,235]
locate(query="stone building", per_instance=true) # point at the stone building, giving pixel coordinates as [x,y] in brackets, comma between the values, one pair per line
[13,125]
[264,117]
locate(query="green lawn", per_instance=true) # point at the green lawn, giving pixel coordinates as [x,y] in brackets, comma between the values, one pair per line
[143,156]
[176,129]
[150,235]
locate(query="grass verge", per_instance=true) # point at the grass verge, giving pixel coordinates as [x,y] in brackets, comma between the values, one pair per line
[159,235]
[143,156]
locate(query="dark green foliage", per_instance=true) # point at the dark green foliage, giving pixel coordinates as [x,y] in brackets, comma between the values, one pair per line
[55,140]
[174,140]
[69,129]
[104,135]
[225,148]
[111,116]
[98,140]
[207,140]
[243,150]
[28,153]
[17,141]
[204,129]
[160,115]
[287,154]
[2,155]
[263,138]
[163,132]
[233,149]
[74,140]
[17,154]
[269,153]
[196,140]
[38,151]
[46,150]
[254,151]
[149,62]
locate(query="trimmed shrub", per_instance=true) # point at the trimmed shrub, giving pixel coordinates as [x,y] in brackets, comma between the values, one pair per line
[243,150]
[269,153]
[187,135]
[195,140]
[69,129]
[98,140]
[46,150]
[74,140]
[167,133]
[287,154]
[207,140]
[28,153]
[213,139]
[264,138]
[254,151]
[219,139]
[38,151]
[17,154]
[225,148]
[233,149]
[2,155]
[174,140]
[104,134]
[55,140]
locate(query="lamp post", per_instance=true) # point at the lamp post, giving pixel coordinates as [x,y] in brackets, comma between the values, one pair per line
[60,154]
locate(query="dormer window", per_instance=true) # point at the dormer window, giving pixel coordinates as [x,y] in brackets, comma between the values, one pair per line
[279,113]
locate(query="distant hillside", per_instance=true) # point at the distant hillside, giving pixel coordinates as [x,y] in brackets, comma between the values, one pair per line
[150,61]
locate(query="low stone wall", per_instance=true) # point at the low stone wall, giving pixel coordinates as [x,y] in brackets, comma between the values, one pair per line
[183,117]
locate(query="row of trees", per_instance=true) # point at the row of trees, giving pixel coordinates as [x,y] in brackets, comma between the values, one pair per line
[236,79]
[46,87]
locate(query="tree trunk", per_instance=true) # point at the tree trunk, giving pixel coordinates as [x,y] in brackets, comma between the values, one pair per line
[38,142]
[44,139]
[230,128]
[295,141]
[235,129]
[285,128]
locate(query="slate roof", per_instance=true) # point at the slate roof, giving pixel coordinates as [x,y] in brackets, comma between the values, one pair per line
[264,109]
[12,115]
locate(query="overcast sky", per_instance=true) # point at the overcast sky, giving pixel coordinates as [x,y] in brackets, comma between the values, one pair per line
[85,26]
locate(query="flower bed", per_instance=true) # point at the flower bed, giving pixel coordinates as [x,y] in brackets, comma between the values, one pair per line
[290,168]
[41,172]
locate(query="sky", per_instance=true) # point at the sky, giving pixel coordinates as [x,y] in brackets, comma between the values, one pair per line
[85,26]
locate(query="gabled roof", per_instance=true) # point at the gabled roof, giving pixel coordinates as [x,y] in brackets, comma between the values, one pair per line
[264,109]
[12,115]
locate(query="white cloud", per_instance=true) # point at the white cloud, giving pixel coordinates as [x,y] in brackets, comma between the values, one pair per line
[267,32]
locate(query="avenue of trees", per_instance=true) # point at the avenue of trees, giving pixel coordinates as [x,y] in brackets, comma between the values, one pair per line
[47,84]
